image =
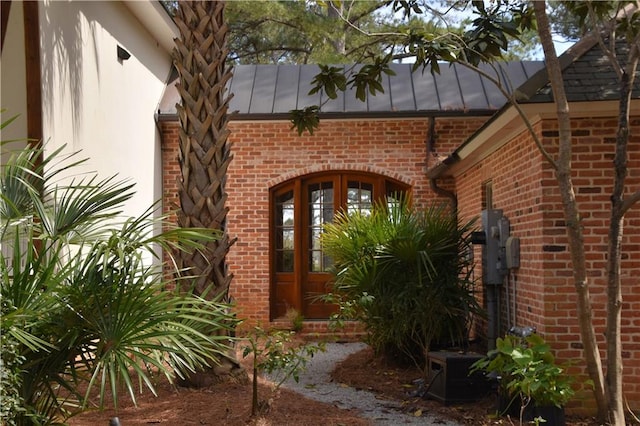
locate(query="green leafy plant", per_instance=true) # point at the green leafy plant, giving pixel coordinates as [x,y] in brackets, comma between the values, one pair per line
[275,353]
[10,378]
[83,307]
[403,273]
[527,372]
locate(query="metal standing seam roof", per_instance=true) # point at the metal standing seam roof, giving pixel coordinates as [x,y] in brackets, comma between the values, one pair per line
[271,91]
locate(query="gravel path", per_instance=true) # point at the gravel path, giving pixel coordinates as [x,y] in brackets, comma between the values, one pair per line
[315,383]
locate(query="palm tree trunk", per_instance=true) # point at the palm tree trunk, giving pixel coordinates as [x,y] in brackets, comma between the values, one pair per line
[204,151]
[199,57]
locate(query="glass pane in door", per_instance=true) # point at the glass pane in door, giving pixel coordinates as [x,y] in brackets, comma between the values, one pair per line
[359,197]
[284,232]
[320,212]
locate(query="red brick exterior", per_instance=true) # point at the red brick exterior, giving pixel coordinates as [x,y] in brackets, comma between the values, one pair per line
[529,196]
[267,153]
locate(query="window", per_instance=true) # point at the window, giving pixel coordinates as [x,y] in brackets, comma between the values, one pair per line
[300,208]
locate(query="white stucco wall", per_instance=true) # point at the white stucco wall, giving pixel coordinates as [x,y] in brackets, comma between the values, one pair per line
[96,103]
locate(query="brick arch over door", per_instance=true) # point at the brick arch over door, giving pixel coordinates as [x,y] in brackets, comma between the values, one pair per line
[330,168]
[299,207]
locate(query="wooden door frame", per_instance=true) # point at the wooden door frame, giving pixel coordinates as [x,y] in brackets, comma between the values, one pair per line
[299,186]
[33,74]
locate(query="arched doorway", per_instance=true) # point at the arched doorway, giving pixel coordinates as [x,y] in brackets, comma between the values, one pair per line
[299,209]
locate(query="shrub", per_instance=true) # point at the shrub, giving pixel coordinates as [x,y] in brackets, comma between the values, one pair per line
[405,275]
[82,306]
[527,372]
[10,374]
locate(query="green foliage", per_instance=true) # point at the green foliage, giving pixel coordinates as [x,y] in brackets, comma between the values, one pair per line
[403,273]
[527,370]
[328,80]
[82,306]
[302,32]
[407,7]
[305,119]
[369,77]
[572,19]
[274,353]
[11,361]
[497,32]
[489,36]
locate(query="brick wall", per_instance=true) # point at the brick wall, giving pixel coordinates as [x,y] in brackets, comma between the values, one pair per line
[268,153]
[529,197]
[170,178]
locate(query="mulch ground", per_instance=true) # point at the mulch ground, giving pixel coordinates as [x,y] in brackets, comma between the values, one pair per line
[230,404]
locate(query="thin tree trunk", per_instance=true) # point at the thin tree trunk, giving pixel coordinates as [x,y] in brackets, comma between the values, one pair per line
[614,290]
[254,392]
[571,213]
[339,40]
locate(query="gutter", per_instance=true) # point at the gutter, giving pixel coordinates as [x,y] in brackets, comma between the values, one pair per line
[285,116]
[438,170]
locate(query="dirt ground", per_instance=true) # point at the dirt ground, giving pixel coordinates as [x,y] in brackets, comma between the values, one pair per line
[231,404]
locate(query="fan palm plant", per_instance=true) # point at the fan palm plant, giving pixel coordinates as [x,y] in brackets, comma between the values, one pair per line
[83,307]
[403,273]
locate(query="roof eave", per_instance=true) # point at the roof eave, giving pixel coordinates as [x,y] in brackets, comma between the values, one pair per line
[524,92]
[504,126]
[348,115]
[156,20]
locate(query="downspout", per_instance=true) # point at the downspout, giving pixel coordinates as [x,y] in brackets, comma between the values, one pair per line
[431,141]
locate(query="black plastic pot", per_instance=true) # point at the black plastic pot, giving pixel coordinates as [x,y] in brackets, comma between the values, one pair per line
[553,416]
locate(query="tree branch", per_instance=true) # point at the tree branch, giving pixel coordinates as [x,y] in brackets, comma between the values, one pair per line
[609,51]
[630,201]
[364,13]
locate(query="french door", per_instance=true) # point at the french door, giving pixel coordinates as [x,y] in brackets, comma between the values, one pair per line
[300,208]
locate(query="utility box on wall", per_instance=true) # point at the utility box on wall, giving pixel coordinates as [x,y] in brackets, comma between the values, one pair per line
[449,379]
[496,231]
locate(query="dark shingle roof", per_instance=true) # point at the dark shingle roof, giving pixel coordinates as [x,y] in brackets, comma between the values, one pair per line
[588,75]
[269,91]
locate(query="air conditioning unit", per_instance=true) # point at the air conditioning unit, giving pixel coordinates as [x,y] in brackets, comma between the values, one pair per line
[449,380]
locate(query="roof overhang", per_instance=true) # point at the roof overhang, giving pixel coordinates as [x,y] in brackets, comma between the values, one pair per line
[156,20]
[234,116]
[506,125]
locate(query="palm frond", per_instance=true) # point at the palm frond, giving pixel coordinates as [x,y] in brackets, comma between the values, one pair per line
[405,272]
[80,295]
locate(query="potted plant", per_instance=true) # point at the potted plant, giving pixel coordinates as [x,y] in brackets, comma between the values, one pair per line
[528,376]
